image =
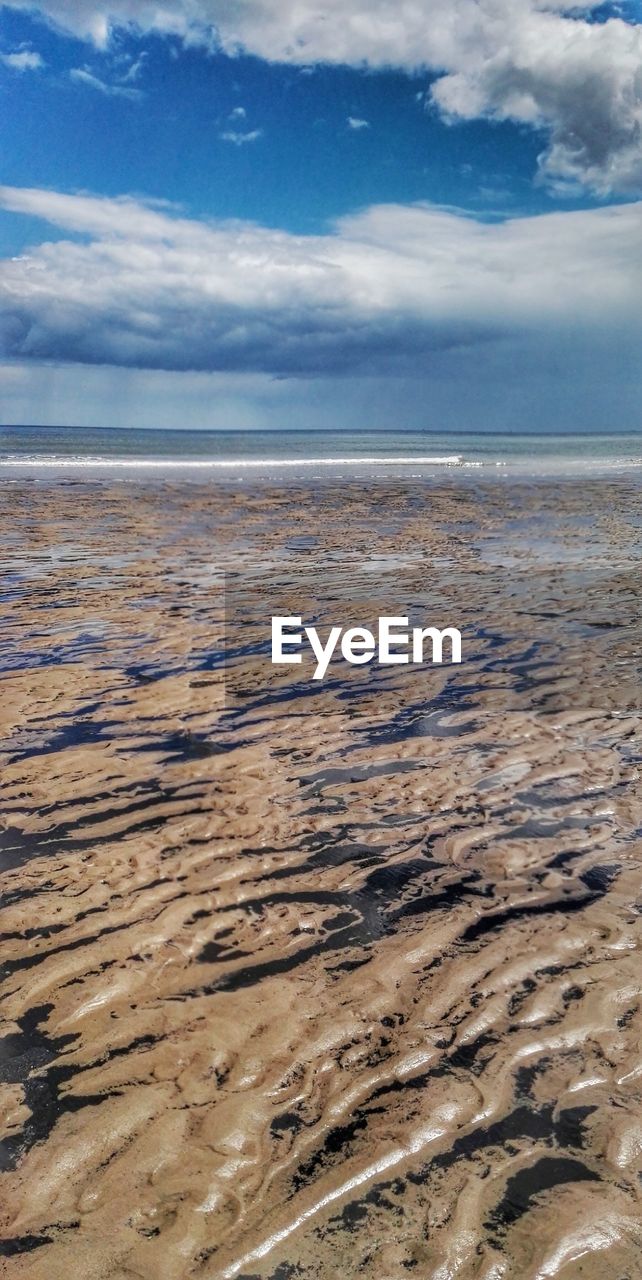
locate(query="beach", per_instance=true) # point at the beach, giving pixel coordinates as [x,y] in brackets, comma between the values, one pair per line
[320,980]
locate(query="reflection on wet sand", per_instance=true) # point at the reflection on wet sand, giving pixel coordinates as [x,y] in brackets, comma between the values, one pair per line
[320,981]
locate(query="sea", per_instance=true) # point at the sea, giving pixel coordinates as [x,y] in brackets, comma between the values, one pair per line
[128,453]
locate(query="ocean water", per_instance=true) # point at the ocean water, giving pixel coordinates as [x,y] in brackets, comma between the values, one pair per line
[305,453]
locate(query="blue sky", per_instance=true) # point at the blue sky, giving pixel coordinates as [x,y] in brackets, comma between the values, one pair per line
[281,215]
[308,165]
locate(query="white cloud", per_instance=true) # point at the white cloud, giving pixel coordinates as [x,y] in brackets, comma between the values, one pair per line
[540,62]
[355,123]
[386,290]
[239,138]
[82,76]
[132,68]
[23,60]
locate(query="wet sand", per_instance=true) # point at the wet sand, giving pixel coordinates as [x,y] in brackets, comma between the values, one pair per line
[319,981]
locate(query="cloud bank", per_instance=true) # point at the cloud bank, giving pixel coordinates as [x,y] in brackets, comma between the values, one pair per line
[385,291]
[542,63]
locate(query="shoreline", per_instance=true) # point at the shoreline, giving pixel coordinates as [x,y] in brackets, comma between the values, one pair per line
[220,474]
[296,456]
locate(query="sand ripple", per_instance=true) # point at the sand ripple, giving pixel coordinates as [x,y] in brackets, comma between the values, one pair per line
[320,982]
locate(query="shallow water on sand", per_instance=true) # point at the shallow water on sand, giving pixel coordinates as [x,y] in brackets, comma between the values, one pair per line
[319,981]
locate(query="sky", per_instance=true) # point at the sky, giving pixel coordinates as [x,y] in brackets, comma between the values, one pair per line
[348,213]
